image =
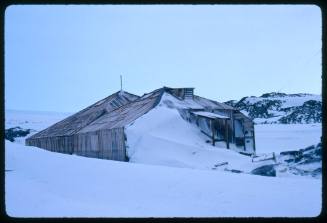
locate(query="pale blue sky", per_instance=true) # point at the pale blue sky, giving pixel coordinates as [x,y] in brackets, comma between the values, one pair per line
[64,58]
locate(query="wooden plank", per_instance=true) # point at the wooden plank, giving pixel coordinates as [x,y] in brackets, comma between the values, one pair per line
[253,141]
[221,164]
[232,125]
[243,135]
[213,132]
[226,134]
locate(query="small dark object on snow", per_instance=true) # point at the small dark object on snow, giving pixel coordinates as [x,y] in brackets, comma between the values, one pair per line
[221,164]
[233,170]
[246,154]
[267,170]
[292,153]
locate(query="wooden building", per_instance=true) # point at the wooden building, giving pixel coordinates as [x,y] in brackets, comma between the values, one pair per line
[99,130]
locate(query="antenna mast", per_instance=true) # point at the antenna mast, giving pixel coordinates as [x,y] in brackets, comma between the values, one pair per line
[121,83]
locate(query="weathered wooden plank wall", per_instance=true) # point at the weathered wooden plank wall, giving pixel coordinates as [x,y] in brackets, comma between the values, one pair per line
[61,144]
[103,144]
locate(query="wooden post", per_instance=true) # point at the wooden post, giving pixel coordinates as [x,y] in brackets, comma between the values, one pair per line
[226,134]
[232,125]
[243,135]
[213,132]
[274,157]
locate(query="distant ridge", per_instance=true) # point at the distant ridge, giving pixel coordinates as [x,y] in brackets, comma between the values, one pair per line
[276,107]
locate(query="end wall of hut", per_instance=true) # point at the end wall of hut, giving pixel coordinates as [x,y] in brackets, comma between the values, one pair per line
[103,144]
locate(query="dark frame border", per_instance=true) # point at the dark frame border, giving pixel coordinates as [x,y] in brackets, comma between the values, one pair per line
[321,4]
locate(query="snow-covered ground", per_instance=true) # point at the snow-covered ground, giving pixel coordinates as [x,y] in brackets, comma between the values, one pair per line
[283,137]
[40,183]
[36,120]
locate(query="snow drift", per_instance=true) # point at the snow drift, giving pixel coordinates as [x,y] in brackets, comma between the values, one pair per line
[163,137]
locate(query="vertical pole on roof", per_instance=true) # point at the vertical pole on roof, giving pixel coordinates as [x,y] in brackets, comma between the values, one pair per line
[121,83]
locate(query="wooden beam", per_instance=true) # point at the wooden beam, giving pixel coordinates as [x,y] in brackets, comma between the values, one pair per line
[232,125]
[253,140]
[226,134]
[210,136]
[243,135]
[213,132]
[206,134]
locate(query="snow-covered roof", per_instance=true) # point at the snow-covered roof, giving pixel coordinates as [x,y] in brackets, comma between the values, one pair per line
[210,115]
[211,104]
[175,102]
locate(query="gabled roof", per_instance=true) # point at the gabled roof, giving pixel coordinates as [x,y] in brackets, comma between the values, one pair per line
[121,109]
[75,122]
[126,114]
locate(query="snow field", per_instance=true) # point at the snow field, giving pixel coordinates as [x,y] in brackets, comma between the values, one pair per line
[282,137]
[35,120]
[40,183]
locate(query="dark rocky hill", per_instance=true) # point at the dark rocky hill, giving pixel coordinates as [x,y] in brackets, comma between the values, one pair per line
[281,108]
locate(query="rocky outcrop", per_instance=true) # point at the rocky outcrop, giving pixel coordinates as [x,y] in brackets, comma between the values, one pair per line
[309,112]
[281,108]
[12,133]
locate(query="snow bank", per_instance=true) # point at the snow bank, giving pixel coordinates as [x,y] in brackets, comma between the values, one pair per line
[39,183]
[162,137]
